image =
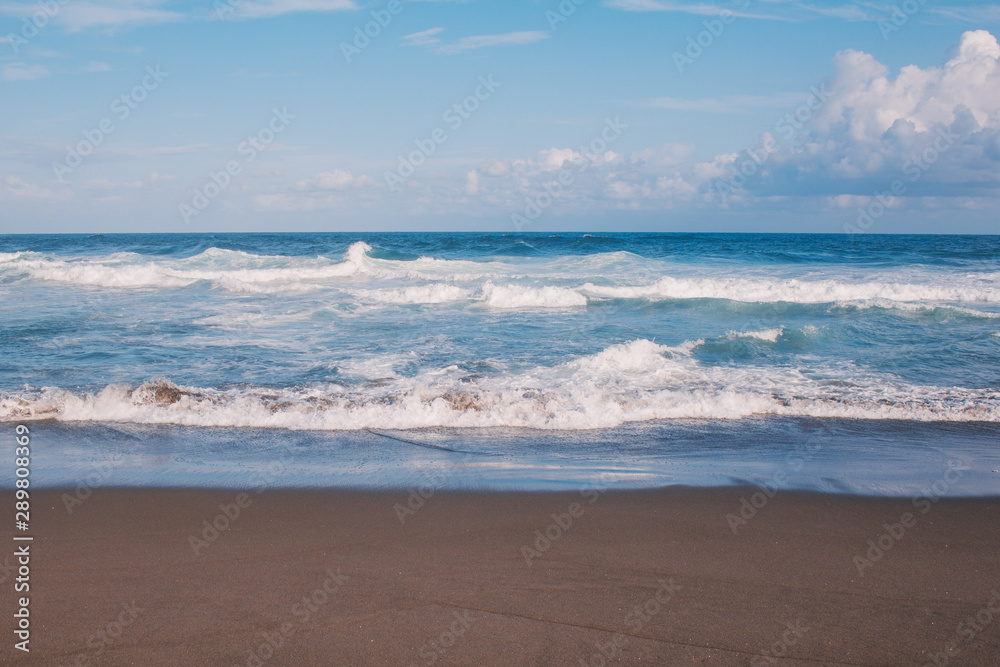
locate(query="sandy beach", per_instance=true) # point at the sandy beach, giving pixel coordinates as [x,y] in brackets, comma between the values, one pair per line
[670,576]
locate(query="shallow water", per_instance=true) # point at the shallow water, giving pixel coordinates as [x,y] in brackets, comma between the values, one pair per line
[830,455]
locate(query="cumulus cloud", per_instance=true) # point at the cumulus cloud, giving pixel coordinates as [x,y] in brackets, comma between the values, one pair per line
[472,182]
[338,179]
[494,168]
[668,155]
[554,158]
[934,127]
[865,101]
[576,177]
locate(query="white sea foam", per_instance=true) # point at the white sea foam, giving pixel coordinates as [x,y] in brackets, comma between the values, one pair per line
[104,275]
[505,297]
[864,304]
[628,382]
[229,269]
[435,293]
[769,335]
[799,291]
[239,271]
[519,296]
[513,283]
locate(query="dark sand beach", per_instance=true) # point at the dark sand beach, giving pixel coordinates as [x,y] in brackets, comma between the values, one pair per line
[652,577]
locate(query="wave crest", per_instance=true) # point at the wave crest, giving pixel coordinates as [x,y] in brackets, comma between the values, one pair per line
[634,381]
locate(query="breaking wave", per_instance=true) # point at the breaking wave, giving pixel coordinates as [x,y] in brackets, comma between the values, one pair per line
[562,282]
[628,382]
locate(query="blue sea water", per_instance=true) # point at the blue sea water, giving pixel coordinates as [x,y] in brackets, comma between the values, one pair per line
[542,359]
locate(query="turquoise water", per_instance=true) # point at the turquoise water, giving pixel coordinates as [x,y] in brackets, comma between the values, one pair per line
[483,337]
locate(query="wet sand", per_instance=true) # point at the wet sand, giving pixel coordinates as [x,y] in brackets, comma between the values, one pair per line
[137,577]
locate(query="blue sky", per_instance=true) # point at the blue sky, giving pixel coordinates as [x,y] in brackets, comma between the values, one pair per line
[149,115]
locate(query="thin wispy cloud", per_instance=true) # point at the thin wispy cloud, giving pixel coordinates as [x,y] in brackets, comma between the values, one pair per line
[429,39]
[109,15]
[112,14]
[423,38]
[772,10]
[694,8]
[664,6]
[22,72]
[853,12]
[797,10]
[272,8]
[973,14]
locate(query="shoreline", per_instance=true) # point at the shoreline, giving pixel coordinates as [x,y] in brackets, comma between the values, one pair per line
[142,576]
[824,455]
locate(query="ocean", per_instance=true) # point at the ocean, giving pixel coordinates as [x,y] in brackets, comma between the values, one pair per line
[852,363]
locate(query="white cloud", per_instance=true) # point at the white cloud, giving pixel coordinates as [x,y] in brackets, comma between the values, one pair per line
[494,168]
[335,180]
[624,190]
[338,179]
[554,158]
[668,155]
[973,14]
[775,10]
[701,8]
[253,9]
[80,15]
[937,129]
[22,72]
[428,38]
[14,187]
[865,102]
[482,41]
[472,182]
[801,10]
[157,177]
[423,38]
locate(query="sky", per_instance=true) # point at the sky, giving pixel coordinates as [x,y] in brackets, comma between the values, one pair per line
[502,115]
